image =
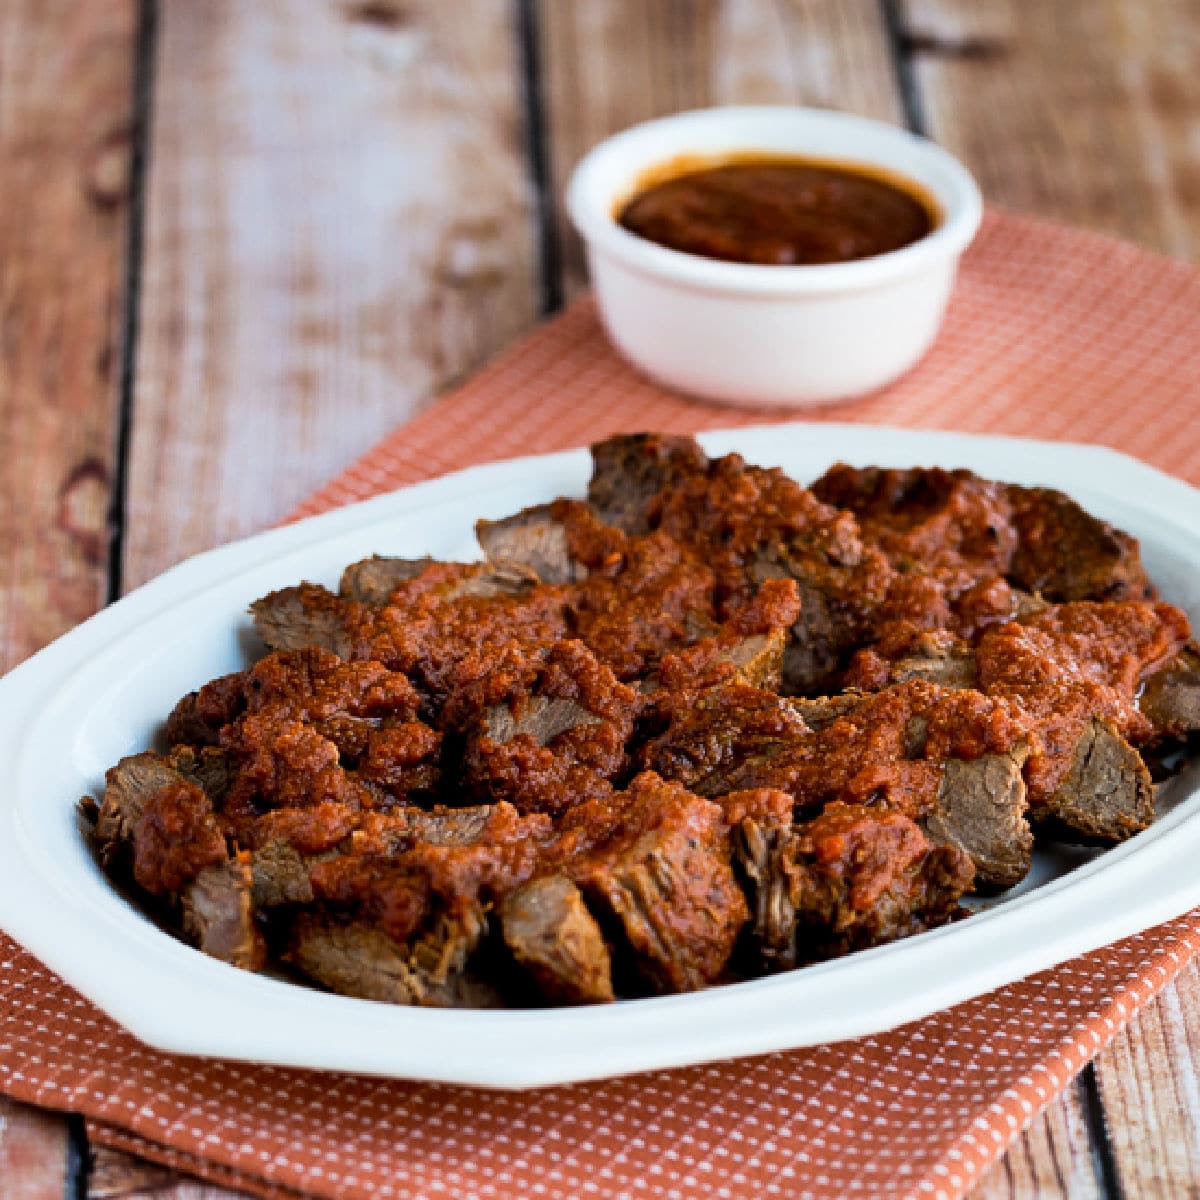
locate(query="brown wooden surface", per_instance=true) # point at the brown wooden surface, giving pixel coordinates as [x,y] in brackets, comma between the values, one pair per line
[1051,1159]
[340,219]
[339,223]
[1076,109]
[66,76]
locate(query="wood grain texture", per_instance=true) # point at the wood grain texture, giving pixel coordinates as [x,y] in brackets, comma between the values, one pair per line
[1080,110]
[1149,1081]
[33,1153]
[1052,1159]
[609,64]
[339,224]
[66,76]
[116,1175]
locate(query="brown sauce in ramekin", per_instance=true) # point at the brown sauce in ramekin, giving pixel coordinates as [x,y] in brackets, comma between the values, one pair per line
[777,210]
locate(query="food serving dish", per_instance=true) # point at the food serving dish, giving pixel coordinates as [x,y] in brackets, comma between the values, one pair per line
[770,335]
[99,693]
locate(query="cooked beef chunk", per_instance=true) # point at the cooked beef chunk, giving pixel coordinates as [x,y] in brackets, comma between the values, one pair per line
[761,824]
[218,914]
[129,788]
[1105,796]
[933,655]
[545,734]
[1170,699]
[279,875]
[160,824]
[157,822]
[550,932]
[1064,553]
[926,518]
[537,539]
[373,580]
[197,719]
[663,873]
[861,877]
[356,959]
[208,768]
[629,470]
[452,624]
[712,736]
[1068,666]
[980,809]
[750,525]
[306,615]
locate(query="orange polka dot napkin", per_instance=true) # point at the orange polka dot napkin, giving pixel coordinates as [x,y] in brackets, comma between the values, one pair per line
[1052,333]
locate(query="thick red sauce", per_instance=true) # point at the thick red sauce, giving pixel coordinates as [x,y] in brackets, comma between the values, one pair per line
[778,211]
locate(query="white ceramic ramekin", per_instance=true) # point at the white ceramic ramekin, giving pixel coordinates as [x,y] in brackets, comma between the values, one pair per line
[767,335]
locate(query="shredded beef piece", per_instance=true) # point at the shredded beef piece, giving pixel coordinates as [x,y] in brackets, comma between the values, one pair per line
[544,734]
[1074,662]
[659,866]
[175,838]
[1065,554]
[750,525]
[630,470]
[552,935]
[862,877]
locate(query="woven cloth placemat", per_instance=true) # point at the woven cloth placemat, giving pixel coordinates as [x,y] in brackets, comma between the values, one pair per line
[1052,333]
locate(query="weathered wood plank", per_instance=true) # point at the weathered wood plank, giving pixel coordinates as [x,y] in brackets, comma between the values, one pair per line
[1051,1159]
[33,1153]
[339,223]
[116,1175]
[1149,1081]
[1079,110]
[608,64]
[66,78]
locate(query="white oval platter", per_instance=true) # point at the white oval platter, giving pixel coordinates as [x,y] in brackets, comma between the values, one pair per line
[102,691]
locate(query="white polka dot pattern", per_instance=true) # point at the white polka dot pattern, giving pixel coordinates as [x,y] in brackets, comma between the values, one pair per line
[1052,333]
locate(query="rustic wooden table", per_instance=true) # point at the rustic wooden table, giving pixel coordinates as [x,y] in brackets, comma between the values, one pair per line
[241,241]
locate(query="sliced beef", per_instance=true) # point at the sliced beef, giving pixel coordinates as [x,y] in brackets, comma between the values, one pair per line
[218,914]
[1064,553]
[951,523]
[661,873]
[357,959]
[198,718]
[544,735]
[761,826]
[750,525]
[1107,794]
[1170,699]
[861,877]
[630,470]
[306,615]
[373,580]
[536,538]
[712,737]
[279,875]
[158,824]
[208,767]
[550,932]
[129,788]
[952,758]
[981,810]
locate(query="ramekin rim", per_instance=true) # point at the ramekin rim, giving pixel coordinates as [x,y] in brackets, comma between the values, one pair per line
[593,217]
